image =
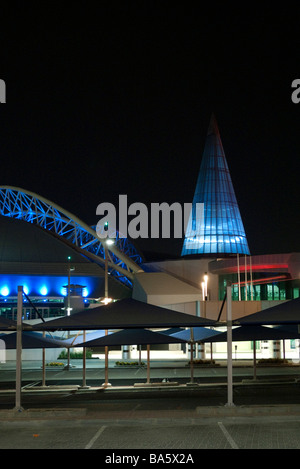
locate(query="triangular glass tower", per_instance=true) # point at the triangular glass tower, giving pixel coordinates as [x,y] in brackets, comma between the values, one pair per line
[215,225]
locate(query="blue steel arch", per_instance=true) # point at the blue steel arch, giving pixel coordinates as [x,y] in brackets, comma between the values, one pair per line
[123,259]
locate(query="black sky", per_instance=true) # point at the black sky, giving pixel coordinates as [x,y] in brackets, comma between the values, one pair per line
[116,99]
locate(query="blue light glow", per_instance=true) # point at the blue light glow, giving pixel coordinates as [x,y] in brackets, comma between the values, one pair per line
[43,290]
[50,286]
[4,290]
[220,230]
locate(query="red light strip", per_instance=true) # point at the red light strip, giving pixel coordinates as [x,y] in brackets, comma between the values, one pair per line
[263,280]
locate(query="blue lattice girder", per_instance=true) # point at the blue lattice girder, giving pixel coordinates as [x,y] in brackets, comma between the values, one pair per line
[124,260]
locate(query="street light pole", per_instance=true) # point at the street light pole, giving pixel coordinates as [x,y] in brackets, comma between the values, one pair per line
[229,346]
[106,300]
[67,367]
[18,406]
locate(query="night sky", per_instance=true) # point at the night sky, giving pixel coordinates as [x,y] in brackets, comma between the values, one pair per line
[117,100]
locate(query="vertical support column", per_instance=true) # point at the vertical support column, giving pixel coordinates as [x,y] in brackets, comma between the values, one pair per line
[44,364]
[229,347]
[84,362]
[192,355]
[276,349]
[200,347]
[148,363]
[18,406]
[125,352]
[246,280]
[106,383]
[239,275]
[254,359]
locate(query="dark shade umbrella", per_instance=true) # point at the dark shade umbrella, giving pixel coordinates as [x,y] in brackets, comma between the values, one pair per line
[284,313]
[124,314]
[199,333]
[79,339]
[30,340]
[254,333]
[133,337]
[7,324]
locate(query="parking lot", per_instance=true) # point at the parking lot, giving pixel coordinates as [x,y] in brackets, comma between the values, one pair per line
[149,420]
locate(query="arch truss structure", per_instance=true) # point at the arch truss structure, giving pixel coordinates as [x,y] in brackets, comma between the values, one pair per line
[123,259]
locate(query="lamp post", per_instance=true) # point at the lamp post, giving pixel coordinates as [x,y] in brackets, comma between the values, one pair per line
[107,242]
[18,406]
[205,285]
[229,347]
[201,347]
[67,367]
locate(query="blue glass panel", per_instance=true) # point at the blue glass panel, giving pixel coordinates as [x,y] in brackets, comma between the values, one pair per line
[223,228]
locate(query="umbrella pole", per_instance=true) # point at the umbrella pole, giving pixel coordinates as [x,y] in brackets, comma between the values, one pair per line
[44,377]
[43,365]
[229,348]
[254,359]
[106,366]
[148,364]
[84,362]
[18,406]
[192,355]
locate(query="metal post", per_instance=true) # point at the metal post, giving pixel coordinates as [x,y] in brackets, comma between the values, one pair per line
[192,355]
[239,277]
[44,364]
[254,359]
[251,278]
[229,347]
[106,383]
[106,272]
[18,406]
[148,363]
[67,367]
[84,362]
[246,280]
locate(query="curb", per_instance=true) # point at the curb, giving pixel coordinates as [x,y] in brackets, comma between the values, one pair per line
[45,414]
[248,411]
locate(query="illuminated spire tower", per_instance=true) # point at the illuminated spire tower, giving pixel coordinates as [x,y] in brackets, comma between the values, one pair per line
[218,228]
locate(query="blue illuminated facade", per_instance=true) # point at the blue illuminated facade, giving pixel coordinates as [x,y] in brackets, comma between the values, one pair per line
[44,286]
[218,228]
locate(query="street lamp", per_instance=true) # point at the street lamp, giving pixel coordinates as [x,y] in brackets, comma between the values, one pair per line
[204,287]
[67,367]
[107,242]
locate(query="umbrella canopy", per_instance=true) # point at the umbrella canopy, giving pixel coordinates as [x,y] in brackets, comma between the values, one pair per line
[124,314]
[295,328]
[30,340]
[76,341]
[132,337]
[7,324]
[200,333]
[244,333]
[285,313]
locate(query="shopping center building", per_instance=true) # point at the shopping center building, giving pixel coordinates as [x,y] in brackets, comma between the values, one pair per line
[62,263]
